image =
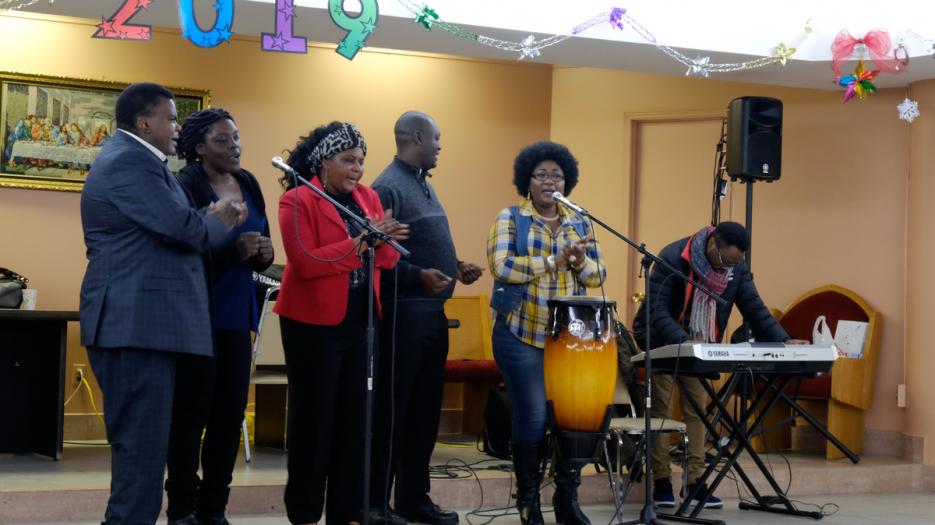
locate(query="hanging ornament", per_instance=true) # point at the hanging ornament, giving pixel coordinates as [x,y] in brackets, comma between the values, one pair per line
[426,17]
[699,67]
[908,110]
[529,49]
[783,53]
[12,5]
[860,82]
[876,43]
[616,17]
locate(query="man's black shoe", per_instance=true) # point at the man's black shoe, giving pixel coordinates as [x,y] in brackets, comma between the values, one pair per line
[430,514]
[187,520]
[378,517]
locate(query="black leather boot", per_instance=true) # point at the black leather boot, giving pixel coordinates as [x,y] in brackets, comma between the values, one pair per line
[527,458]
[565,499]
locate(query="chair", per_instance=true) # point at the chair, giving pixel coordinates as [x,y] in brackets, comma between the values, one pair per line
[634,428]
[470,357]
[269,377]
[848,390]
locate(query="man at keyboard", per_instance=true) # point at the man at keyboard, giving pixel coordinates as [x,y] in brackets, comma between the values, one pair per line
[714,257]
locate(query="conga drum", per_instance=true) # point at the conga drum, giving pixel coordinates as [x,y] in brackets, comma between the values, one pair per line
[580,361]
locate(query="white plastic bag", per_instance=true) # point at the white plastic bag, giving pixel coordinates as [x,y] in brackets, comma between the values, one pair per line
[821,334]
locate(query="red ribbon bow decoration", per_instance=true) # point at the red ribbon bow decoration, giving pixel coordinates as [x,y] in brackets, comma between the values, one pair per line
[877,43]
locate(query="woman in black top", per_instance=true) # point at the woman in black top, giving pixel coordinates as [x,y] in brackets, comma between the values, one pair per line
[211,393]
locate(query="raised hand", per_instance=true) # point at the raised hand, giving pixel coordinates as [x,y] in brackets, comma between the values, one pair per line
[434,281]
[469,272]
[230,211]
[248,245]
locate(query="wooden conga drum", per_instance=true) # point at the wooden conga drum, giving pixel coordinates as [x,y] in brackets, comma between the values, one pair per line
[580,361]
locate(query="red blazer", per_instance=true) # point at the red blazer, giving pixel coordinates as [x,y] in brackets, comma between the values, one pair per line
[312,291]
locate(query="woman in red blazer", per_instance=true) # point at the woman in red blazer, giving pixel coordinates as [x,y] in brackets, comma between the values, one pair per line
[323,304]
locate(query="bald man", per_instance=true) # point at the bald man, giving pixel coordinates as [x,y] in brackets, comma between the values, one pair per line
[423,283]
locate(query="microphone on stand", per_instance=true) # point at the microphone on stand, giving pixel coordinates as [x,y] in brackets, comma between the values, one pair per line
[561,198]
[278,163]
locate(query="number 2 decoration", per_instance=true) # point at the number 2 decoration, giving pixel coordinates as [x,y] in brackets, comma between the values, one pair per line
[282,40]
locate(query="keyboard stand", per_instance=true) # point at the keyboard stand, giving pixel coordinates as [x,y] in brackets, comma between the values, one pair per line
[738,432]
[797,410]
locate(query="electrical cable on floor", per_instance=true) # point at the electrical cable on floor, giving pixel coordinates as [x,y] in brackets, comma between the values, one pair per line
[97,413]
[77,388]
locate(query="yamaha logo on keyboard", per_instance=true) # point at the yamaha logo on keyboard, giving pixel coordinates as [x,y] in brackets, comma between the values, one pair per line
[718,353]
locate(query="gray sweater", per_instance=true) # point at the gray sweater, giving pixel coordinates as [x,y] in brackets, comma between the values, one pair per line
[405,189]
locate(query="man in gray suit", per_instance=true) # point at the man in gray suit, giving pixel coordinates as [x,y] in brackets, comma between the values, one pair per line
[144,298]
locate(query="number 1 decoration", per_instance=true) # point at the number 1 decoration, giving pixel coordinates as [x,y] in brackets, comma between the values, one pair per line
[283,40]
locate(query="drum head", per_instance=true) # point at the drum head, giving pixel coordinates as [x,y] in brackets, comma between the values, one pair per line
[581,300]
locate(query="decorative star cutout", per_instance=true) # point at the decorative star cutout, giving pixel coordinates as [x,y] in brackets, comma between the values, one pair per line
[124,35]
[223,33]
[288,11]
[860,82]
[783,53]
[106,26]
[427,16]
[218,5]
[143,4]
[908,110]
[699,66]
[208,41]
[336,9]
[279,42]
[368,26]
[529,49]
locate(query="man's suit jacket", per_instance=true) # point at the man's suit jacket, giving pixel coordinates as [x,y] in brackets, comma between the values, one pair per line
[145,284]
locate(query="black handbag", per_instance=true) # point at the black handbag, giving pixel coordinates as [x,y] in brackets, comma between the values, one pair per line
[11,288]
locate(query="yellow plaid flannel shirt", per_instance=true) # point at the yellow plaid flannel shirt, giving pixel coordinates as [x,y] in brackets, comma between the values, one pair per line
[529,321]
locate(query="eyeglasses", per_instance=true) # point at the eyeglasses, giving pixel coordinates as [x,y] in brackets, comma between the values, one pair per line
[541,176]
[720,260]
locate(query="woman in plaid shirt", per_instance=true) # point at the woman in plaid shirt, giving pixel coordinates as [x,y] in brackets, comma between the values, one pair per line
[554,256]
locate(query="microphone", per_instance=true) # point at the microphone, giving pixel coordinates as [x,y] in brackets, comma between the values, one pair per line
[561,198]
[278,163]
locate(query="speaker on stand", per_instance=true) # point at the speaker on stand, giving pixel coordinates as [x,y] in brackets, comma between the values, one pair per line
[754,150]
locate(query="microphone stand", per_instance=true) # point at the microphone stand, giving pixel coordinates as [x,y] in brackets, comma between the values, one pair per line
[648,515]
[373,234]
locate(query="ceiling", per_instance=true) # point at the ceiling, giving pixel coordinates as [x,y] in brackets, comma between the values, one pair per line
[724,30]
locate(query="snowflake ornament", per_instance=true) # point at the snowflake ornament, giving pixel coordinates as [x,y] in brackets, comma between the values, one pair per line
[908,110]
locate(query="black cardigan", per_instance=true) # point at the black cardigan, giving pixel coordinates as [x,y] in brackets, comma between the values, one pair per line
[195,180]
[667,293]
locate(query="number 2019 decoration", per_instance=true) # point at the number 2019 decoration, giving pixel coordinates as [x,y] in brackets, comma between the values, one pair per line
[282,40]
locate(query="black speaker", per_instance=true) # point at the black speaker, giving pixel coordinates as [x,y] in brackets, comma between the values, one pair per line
[754,138]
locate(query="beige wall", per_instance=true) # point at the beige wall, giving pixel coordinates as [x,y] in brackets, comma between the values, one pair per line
[920,304]
[836,216]
[486,111]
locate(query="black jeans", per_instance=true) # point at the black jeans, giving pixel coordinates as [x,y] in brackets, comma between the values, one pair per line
[210,398]
[421,352]
[326,366]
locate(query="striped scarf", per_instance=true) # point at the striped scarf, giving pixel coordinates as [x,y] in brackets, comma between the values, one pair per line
[703,321]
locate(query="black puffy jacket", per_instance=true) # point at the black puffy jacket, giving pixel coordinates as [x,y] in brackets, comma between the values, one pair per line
[667,292]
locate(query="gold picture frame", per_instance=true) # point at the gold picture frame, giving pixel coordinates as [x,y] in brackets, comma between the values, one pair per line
[51,128]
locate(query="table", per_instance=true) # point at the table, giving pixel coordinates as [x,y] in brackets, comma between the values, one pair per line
[32,380]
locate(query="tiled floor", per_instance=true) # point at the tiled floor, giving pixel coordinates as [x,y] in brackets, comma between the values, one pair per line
[34,489]
[853,509]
